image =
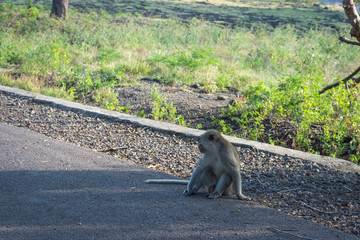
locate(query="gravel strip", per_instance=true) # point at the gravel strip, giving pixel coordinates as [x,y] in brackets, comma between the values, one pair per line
[294,186]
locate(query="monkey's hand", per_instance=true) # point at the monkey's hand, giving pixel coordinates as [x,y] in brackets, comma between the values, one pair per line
[187,193]
[213,195]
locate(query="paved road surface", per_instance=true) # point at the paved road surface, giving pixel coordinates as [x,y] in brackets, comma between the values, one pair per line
[54,190]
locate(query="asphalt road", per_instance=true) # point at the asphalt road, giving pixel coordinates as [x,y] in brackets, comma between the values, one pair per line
[55,190]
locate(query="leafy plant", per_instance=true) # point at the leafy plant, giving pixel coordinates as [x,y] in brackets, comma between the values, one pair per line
[162,110]
[328,124]
[222,126]
[142,114]
[107,98]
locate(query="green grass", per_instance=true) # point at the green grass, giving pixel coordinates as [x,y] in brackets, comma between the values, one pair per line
[108,50]
[248,45]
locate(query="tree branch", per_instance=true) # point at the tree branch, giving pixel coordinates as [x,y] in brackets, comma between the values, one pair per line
[353,16]
[344,80]
[348,41]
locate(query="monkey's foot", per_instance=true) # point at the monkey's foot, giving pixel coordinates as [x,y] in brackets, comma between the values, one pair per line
[213,195]
[243,197]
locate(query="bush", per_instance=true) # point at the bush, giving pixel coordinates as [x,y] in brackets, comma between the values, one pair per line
[327,124]
[162,110]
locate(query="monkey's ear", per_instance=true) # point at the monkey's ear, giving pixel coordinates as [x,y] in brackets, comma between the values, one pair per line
[211,137]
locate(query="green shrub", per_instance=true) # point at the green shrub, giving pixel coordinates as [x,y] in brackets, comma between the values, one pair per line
[327,124]
[162,110]
[107,98]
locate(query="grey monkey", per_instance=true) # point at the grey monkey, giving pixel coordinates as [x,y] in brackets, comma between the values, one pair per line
[218,169]
[219,161]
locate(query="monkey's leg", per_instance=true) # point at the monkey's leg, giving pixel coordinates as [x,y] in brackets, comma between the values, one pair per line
[237,187]
[223,183]
[208,179]
[195,182]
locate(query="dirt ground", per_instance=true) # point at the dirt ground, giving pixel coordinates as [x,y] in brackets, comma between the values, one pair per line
[195,105]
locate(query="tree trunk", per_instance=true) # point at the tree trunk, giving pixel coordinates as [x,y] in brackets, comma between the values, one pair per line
[60,8]
[353,16]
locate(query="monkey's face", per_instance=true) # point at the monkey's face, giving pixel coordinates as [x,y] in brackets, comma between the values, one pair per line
[208,141]
[202,148]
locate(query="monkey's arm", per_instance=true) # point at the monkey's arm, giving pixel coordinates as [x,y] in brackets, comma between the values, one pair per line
[194,184]
[167,181]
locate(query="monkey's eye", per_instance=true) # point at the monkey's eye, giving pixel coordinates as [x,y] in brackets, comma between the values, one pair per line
[211,137]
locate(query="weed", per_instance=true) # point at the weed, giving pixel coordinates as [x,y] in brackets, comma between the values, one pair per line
[180,120]
[141,114]
[221,125]
[107,98]
[162,110]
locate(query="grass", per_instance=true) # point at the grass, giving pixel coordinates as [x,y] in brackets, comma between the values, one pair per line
[277,54]
[173,51]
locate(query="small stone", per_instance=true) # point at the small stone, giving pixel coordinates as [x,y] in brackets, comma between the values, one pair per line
[222,97]
[195,85]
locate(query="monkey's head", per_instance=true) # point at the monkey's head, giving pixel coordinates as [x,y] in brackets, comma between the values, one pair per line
[209,141]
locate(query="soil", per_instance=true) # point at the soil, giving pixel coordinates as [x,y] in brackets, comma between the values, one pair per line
[192,102]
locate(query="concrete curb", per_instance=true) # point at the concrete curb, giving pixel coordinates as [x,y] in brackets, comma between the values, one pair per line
[339,164]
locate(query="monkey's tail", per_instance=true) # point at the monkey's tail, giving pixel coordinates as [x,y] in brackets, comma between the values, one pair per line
[167,181]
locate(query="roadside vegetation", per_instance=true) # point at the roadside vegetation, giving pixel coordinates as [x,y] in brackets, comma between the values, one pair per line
[278,65]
